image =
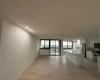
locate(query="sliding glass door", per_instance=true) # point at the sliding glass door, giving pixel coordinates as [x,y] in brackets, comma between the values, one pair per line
[54,47]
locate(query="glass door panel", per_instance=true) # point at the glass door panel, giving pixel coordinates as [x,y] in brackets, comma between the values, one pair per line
[54,47]
[52,43]
[46,43]
[57,47]
[57,43]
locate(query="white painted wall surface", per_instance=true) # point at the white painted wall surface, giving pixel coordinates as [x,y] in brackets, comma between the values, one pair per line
[83,41]
[98,58]
[99,34]
[44,52]
[76,46]
[90,42]
[18,50]
[2,58]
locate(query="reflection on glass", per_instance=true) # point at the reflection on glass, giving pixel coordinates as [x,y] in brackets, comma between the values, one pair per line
[42,43]
[64,44]
[54,47]
[57,43]
[69,44]
[46,43]
[53,43]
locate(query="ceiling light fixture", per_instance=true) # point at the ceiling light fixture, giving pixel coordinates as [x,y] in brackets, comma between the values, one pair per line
[27,27]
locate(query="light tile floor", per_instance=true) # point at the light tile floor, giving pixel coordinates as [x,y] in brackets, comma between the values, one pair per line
[55,68]
[92,68]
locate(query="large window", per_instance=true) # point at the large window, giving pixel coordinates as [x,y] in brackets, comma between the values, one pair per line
[44,44]
[67,44]
[54,43]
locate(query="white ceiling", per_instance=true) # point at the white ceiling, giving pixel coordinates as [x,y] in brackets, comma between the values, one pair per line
[55,18]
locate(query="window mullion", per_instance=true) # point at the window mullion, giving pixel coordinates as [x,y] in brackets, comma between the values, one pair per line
[44,43]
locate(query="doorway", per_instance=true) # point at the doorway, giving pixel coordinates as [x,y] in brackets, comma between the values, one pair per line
[55,47]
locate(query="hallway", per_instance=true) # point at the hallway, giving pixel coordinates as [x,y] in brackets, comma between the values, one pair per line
[55,68]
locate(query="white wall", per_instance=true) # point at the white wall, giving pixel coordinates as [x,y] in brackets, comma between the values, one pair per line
[76,46]
[18,50]
[2,61]
[99,34]
[44,52]
[83,41]
[91,41]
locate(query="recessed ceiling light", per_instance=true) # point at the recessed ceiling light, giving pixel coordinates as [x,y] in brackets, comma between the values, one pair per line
[27,27]
[30,29]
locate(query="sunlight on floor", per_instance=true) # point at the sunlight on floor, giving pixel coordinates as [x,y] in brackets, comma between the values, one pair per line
[54,54]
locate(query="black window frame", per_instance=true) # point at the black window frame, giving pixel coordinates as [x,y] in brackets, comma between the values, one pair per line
[67,45]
